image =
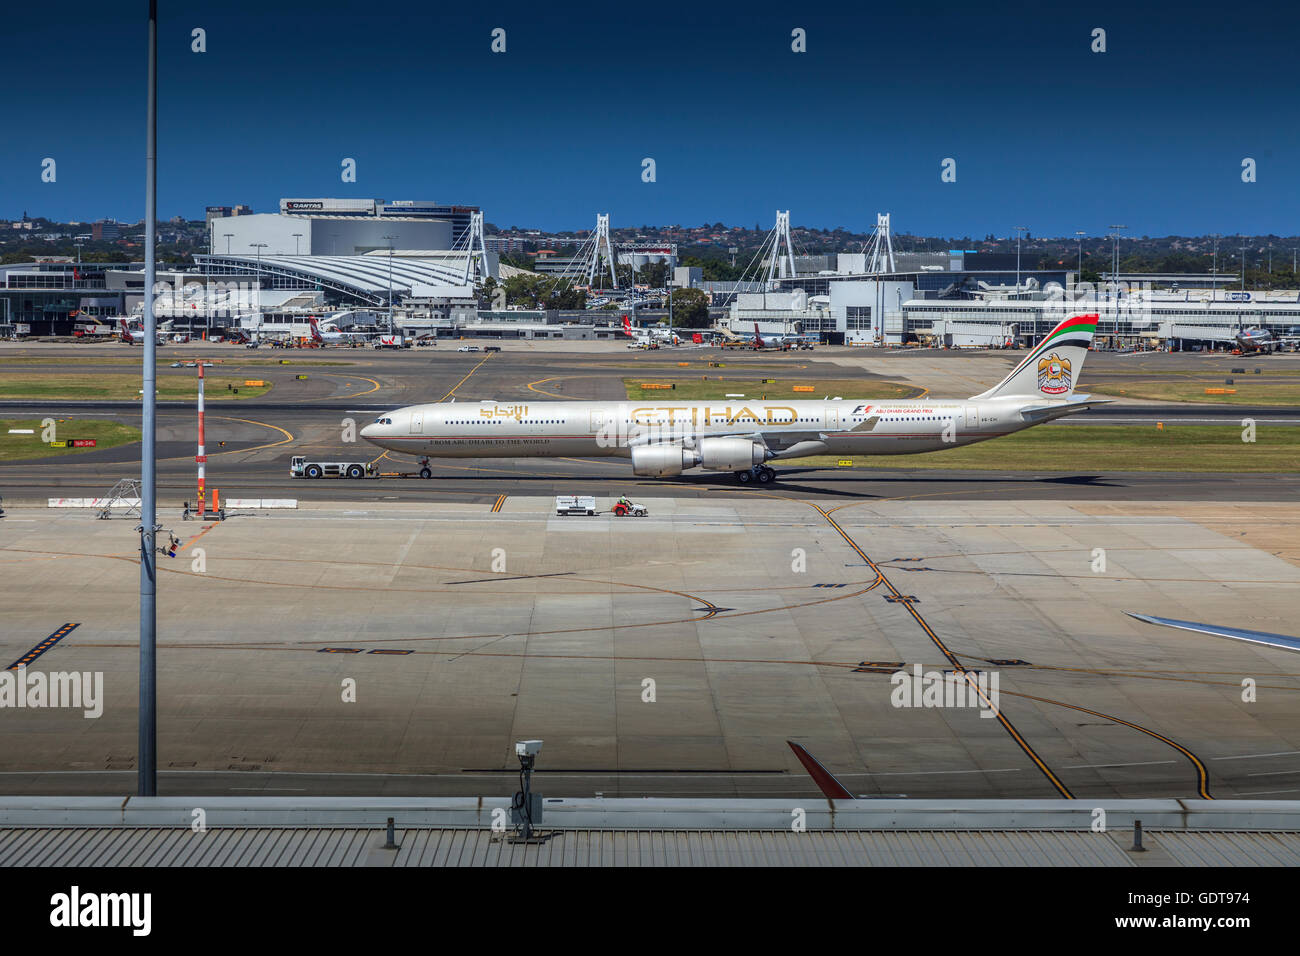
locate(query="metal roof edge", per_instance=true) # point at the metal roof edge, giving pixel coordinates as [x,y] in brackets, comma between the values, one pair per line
[651,813]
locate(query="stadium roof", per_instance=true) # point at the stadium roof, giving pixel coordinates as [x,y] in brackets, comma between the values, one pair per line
[363,278]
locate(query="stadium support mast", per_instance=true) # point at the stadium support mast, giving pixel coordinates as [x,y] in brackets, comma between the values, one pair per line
[780,263]
[472,253]
[602,240]
[880,251]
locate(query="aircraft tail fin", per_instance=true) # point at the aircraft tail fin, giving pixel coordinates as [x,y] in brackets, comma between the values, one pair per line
[831,788]
[1054,366]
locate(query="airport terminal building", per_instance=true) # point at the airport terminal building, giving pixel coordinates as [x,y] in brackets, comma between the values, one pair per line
[333,255]
[981,300]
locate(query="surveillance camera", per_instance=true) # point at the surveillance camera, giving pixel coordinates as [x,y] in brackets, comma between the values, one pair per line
[528,748]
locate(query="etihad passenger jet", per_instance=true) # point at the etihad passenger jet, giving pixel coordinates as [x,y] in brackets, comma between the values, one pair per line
[668,438]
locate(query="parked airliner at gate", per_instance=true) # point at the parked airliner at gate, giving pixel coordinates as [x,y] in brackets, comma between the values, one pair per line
[663,439]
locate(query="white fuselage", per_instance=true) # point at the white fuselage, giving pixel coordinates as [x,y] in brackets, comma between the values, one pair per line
[788,429]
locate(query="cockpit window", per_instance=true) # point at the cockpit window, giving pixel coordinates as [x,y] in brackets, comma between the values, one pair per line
[383,421]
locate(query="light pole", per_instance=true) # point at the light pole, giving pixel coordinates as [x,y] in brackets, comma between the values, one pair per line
[1114,278]
[1214,269]
[390,282]
[1080,233]
[259,246]
[147,715]
[668,285]
[1114,258]
[296,237]
[1020,232]
[1243,285]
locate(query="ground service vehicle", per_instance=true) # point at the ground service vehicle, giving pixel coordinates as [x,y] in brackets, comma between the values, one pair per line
[575,505]
[300,467]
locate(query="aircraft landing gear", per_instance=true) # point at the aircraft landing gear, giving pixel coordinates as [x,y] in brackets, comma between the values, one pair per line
[425,470]
[759,473]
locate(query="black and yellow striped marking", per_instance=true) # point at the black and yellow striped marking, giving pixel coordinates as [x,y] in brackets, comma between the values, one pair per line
[501,499]
[1202,775]
[901,599]
[43,646]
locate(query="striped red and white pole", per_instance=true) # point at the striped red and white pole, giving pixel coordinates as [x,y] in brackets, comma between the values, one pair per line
[201,458]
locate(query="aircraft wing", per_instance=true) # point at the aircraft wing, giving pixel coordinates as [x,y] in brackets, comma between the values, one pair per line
[1234,633]
[780,441]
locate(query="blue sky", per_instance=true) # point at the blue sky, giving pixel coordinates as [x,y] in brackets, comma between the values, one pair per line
[1045,133]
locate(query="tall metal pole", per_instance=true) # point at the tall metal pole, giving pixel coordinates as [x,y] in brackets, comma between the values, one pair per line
[1114,281]
[201,459]
[147,762]
[1214,270]
[1020,232]
[259,246]
[669,284]
[1243,285]
[390,282]
[1080,233]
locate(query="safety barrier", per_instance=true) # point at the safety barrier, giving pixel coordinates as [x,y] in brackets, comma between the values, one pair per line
[93,502]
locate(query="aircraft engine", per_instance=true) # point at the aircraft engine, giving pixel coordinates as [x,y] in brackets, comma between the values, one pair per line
[659,461]
[731,454]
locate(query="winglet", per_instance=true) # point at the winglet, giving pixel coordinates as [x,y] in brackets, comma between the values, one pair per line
[831,788]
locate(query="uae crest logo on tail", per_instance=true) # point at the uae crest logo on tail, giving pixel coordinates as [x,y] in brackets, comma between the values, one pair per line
[1053,374]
